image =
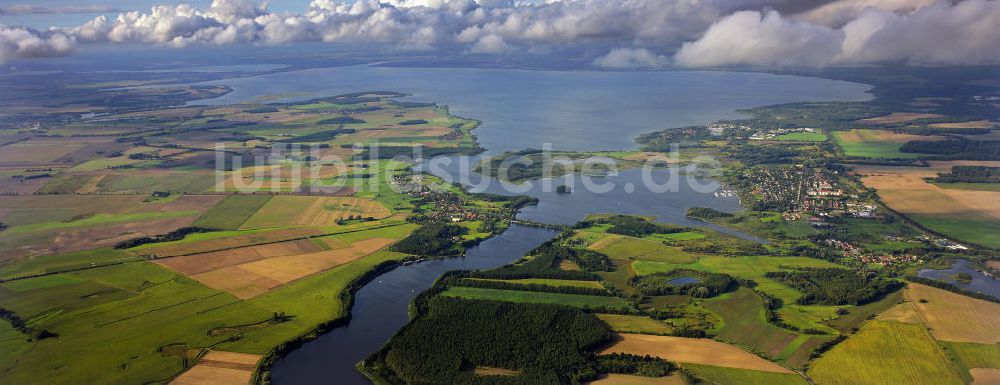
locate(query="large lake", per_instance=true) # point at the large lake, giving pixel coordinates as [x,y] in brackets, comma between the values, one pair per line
[573,110]
[580,110]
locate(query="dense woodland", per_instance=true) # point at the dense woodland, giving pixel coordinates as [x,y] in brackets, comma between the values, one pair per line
[634,227]
[955,148]
[836,286]
[546,344]
[970,174]
[436,239]
[682,137]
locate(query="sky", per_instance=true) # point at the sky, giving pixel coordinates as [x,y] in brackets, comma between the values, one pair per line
[631,33]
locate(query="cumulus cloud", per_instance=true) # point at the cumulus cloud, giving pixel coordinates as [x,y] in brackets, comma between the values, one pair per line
[490,44]
[750,37]
[941,33]
[716,32]
[838,13]
[18,42]
[415,24]
[631,58]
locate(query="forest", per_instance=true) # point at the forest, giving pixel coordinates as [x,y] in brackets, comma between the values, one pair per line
[545,344]
[634,226]
[970,174]
[436,239]
[836,286]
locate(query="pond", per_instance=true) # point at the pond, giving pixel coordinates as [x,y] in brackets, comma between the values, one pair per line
[980,282]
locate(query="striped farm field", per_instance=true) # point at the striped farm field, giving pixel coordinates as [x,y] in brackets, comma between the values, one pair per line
[889,353]
[231,212]
[220,368]
[692,350]
[250,271]
[955,317]
[288,210]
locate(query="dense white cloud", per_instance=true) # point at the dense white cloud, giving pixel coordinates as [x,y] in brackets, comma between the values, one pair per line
[750,37]
[838,13]
[415,23]
[631,58]
[942,33]
[27,43]
[717,32]
[490,44]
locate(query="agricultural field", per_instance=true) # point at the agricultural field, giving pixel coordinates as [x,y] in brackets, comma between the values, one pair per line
[246,272]
[518,296]
[900,117]
[548,282]
[57,224]
[289,210]
[128,235]
[222,368]
[744,323]
[879,144]
[803,137]
[965,214]
[886,352]
[635,324]
[625,379]
[724,375]
[954,317]
[231,212]
[622,247]
[692,351]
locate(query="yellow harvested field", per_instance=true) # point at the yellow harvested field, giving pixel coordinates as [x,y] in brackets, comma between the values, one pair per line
[858,136]
[900,117]
[288,268]
[220,368]
[692,350]
[250,271]
[239,282]
[955,317]
[985,376]
[970,124]
[205,262]
[905,190]
[625,379]
[904,312]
